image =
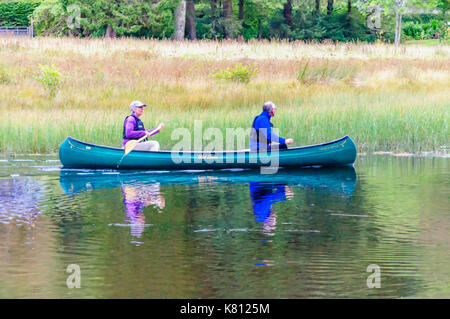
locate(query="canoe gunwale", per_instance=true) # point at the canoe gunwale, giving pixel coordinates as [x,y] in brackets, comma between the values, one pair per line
[212,152]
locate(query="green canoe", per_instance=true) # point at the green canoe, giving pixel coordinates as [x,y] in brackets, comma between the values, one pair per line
[77,154]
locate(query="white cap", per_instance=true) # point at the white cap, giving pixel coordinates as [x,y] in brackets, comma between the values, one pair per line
[136,104]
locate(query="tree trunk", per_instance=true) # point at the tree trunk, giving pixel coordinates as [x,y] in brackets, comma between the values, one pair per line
[228,15]
[330,7]
[190,20]
[180,21]
[349,6]
[241,10]
[31,28]
[259,29]
[110,33]
[287,12]
[317,7]
[398,28]
[240,36]
[214,16]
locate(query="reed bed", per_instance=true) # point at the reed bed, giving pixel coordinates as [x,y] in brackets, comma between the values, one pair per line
[228,49]
[386,99]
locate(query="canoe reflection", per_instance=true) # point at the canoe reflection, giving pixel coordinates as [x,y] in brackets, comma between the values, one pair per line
[340,180]
[142,188]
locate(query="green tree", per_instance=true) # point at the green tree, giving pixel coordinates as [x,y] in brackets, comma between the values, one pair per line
[16,13]
[264,9]
[343,20]
[110,18]
[50,18]
[218,19]
[444,5]
[398,7]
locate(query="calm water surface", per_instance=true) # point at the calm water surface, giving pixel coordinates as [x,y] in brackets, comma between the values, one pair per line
[307,233]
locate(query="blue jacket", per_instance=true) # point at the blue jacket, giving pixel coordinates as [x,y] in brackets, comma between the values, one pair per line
[266,136]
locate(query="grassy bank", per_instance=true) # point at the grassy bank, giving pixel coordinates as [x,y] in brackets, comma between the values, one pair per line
[428,42]
[385,99]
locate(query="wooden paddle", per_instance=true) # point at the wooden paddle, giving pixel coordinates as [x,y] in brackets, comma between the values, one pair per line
[130,145]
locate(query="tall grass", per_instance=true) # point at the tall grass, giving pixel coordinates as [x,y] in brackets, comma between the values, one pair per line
[383,98]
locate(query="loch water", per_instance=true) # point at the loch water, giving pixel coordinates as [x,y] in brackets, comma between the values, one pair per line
[380,229]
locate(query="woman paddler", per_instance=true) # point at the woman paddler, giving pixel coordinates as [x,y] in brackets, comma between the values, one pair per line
[133,129]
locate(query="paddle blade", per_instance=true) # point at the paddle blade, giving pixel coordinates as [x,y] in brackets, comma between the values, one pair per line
[130,145]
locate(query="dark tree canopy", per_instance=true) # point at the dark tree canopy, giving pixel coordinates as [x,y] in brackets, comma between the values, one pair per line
[318,20]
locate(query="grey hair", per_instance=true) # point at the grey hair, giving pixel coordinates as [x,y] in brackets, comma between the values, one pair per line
[268,106]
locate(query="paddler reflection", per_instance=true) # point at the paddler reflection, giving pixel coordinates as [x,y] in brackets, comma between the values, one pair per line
[263,195]
[136,198]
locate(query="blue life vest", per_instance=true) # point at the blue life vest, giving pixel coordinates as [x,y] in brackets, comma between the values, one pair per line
[138,126]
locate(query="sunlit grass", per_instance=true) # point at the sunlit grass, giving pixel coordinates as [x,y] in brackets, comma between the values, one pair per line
[385,99]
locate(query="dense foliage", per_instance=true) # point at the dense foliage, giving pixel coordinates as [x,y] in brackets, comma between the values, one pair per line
[105,17]
[421,31]
[318,20]
[14,14]
[251,19]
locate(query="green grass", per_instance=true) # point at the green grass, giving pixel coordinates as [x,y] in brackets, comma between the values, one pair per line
[397,122]
[429,42]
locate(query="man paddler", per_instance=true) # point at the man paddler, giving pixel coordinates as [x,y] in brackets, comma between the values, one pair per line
[133,129]
[261,136]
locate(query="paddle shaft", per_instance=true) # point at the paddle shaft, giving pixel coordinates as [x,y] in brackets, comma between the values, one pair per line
[142,138]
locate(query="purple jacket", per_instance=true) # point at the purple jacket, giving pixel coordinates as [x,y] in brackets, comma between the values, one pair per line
[130,133]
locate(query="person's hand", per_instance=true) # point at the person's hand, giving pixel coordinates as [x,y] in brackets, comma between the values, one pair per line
[289,192]
[289,141]
[160,127]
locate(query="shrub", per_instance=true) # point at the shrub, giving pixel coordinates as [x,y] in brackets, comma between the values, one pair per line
[49,77]
[4,76]
[240,73]
[412,30]
[417,31]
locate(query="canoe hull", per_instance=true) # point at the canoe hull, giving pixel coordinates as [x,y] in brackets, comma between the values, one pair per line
[77,154]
